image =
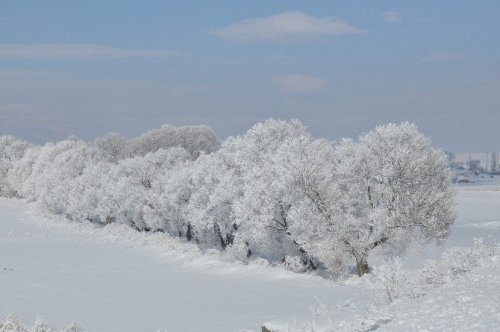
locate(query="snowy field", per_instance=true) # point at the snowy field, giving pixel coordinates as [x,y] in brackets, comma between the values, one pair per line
[117,279]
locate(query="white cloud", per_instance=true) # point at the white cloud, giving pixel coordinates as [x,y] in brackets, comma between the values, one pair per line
[442,57]
[62,51]
[301,83]
[284,27]
[391,16]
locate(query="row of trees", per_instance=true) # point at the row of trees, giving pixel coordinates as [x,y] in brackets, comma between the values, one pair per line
[275,192]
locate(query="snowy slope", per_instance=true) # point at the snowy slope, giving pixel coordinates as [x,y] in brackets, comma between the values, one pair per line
[469,304]
[116,279]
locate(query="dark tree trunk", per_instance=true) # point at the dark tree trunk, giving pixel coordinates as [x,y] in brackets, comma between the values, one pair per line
[249,252]
[306,259]
[362,265]
[226,240]
[229,240]
[218,235]
[189,233]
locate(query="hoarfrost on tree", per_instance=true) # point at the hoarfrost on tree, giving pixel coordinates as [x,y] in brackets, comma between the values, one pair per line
[395,189]
[275,192]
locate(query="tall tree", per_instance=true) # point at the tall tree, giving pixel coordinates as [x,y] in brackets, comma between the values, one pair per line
[395,190]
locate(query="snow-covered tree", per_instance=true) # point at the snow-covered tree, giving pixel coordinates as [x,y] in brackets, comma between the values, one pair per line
[215,187]
[11,151]
[21,170]
[54,170]
[123,191]
[262,208]
[288,195]
[195,139]
[112,146]
[275,192]
[91,195]
[170,210]
[134,181]
[306,167]
[394,190]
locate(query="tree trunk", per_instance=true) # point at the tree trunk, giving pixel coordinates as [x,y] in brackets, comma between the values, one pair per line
[218,234]
[249,252]
[362,265]
[308,262]
[189,233]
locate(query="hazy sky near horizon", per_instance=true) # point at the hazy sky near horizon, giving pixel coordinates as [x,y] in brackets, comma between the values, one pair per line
[341,67]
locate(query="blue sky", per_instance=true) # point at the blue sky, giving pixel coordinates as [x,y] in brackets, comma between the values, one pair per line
[341,67]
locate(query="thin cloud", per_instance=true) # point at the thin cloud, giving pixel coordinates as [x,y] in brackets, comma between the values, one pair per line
[65,51]
[442,57]
[391,16]
[301,83]
[284,27]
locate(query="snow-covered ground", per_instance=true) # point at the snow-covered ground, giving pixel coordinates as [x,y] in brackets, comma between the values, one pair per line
[468,304]
[117,279]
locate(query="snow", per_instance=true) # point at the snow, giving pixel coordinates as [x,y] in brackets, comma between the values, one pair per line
[470,304]
[117,279]
[114,279]
[478,214]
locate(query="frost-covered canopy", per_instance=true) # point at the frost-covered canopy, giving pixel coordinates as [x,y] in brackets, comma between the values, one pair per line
[275,192]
